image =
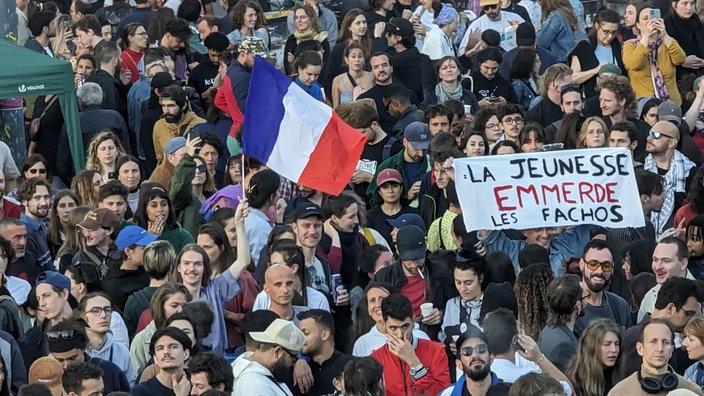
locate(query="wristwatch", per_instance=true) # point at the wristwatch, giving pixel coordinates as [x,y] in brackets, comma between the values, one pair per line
[418,371]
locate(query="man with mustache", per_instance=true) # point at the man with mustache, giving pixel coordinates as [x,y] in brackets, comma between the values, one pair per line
[597,266]
[409,363]
[176,120]
[35,196]
[170,348]
[266,368]
[98,230]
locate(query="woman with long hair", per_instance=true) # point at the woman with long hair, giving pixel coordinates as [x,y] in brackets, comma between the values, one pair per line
[263,192]
[213,239]
[353,30]
[307,28]
[85,185]
[592,368]
[156,215]
[559,28]
[103,151]
[649,112]
[347,86]
[531,138]
[475,144]
[233,171]
[157,25]
[308,66]
[638,257]
[128,173]
[58,29]
[73,242]
[487,122]
[193,269]
[525,73]
[568,132]
[247,20]
[651,59]
[64,202]
[531,289]
[593,134]
[133,43]
[449,73]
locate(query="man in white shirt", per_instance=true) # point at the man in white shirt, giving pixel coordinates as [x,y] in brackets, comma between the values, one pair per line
[494,18]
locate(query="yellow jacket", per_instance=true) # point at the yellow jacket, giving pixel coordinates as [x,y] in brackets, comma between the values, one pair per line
[635,58]
[164,131]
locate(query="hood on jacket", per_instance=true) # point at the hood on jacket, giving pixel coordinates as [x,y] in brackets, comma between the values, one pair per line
[243,366]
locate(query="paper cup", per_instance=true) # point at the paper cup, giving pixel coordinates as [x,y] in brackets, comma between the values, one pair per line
[426,308]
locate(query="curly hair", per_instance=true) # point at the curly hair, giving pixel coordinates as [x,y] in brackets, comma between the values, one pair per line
[531,288]
[622,89]
[483,116]
[92,162]
[240,9]
[586,366]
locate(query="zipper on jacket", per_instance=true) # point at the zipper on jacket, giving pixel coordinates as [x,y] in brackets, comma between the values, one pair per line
[403,374]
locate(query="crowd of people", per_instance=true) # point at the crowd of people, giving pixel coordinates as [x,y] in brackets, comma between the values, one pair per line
[173,264]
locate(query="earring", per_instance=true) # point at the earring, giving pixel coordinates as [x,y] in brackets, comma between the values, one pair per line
[129,257]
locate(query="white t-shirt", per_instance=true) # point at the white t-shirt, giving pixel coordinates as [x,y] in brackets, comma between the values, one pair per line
[506,26]
[437,44]
[426,20]
[366,344]
[316,300]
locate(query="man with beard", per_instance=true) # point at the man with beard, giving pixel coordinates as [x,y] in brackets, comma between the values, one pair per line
[176,120]
[170,348]
[597,267]
[22,265]
[382,70]
[475,359]
[695,246]
[35,196]
[676,170]
[677,303]
[305,195]
[266,368]
[409,363]
[504,22]
[412,163]
[570,102]
[616,101]
[325,361]
[100,251]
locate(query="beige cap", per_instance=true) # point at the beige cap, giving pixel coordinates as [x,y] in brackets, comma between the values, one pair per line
[283,333]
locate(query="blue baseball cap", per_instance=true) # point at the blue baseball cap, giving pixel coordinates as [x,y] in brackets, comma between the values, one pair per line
[133,235]
[55,279]
[406,220]
[418,134]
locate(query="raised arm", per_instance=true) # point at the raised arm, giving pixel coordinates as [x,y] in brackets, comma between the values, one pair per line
[243,255]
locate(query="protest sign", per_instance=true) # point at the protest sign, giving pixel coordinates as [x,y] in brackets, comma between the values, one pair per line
[549,189]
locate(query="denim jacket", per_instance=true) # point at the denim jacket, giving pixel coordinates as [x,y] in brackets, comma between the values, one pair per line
[556,35]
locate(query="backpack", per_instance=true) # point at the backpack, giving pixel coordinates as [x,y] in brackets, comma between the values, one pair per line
[386,151]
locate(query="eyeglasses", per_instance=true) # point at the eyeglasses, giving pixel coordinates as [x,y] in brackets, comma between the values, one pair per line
[481,348]
[511,121]
[657,135]
[202,168]
[98,310]
[608,32]
[607,266]
[688,313]
[293,355]
[63,334]
[34,171]
[140,34]
[490,7]
[492,126]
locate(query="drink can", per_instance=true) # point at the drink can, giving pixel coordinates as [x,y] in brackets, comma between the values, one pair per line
[336,286]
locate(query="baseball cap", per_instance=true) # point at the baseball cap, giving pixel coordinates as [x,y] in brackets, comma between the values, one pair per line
[174,144]
[670,111]
[399,26]
[418,134]
[307,209]
[410,242]
[133,235]
[162,80]
[406,220]
[283,333]
[48,372]
[55,279]
[525,34]
[101,217]
[483,3]
[253,45]
[388,175]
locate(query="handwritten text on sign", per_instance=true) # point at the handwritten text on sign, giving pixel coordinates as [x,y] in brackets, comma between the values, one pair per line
[557,188]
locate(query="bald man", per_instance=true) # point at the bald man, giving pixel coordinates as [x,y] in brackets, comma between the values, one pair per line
[664,159]
[278,285]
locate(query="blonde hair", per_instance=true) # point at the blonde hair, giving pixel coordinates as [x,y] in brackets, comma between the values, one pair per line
[82,185]
[586,366]
[582,137]
[93,163]
[73,242]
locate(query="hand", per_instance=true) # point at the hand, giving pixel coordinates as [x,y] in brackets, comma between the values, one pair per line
[360,176]
[125,76]
[413,192]
[157,227]
[192,145]
[433,318]
[418,28]
[302,376]
[343,298]
[280,209]
[181,387]
[403,349]
[329,230]
[290,57]
[193,65]
[677,232]
[486,102]
[692,62]
[479,247]
[449,169]
[531,351]
[242,211]
[379,29]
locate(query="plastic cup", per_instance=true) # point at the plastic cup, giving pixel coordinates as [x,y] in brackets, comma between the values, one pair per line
[426,308]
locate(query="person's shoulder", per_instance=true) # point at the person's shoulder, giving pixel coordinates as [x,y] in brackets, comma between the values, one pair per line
[684,383]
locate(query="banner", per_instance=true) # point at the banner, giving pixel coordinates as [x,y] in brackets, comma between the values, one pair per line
[550,189]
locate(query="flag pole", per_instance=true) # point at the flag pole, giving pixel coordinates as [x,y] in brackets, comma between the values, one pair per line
[243,186]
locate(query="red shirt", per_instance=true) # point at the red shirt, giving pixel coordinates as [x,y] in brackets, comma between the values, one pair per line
[414,291]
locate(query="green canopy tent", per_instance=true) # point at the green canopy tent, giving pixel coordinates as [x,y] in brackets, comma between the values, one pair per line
[28,73]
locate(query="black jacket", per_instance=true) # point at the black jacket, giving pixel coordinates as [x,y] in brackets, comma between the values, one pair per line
[584,51]
[114,91]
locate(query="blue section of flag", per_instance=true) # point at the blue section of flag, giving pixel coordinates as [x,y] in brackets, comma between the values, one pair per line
[265,110]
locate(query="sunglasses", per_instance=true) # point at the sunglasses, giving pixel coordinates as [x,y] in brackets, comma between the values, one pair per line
[657,135]
[607,266]
[468,351]
[63,334]
[490,7]
[202,168]
[34,171]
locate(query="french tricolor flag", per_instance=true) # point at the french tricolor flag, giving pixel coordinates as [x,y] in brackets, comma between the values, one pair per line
[298,137]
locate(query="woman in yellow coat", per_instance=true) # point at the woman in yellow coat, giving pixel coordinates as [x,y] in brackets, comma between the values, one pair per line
[651,59]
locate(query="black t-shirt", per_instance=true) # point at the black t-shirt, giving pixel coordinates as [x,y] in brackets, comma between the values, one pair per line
[372,156]
[201,78]
[324,374]
[377,219]
[407,69]
[544,113]
[386,120]
[151,387]
[485,88]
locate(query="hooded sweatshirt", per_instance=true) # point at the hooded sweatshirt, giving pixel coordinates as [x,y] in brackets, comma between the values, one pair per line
[253,379]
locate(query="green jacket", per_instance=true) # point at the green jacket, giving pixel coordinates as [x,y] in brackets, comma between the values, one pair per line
[177,237]
[396,162]
[186,204]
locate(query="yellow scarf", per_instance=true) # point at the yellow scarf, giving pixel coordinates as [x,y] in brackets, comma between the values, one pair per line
[310,34]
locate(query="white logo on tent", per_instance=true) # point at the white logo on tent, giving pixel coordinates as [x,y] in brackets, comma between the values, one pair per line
[24,88]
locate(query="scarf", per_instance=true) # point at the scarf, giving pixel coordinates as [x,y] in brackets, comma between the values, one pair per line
[685,30]
[444,94]
[310,34]
[674,181]
[659,87]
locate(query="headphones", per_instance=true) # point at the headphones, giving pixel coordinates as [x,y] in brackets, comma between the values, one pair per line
[653,385]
